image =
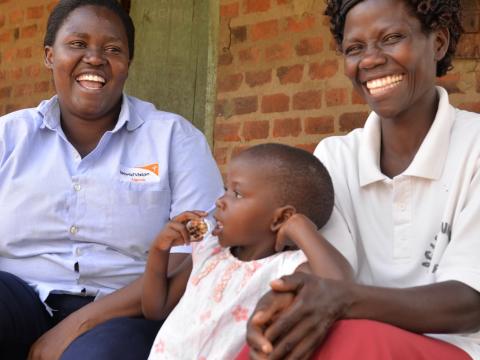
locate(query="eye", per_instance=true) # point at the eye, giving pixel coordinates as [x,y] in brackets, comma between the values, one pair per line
[353,49]
[113,50]
[392,38]
[77,44]
[237,195]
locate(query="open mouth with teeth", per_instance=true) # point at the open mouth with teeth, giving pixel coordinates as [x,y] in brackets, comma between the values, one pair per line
[381,85]
[91,81]
[218,228]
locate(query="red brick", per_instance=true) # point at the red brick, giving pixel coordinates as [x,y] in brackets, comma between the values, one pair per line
[221,155]
[336,97]
[256,130]
[249,55]
[9,54]
[307,100]
[307,22]
[307,147]
[324,70]
[319,125]
[29,31]
[6,36]
[257,78]
[478,81]
[229,10]
[16,73]
[225,58]
[238,149]
[450,83]
[2,20]
[24,53]
[256,6]
[23,90]
[35,12]
[12,107]
[51,5]
[470,106]
[5,92]
[220,107]
[3,75]
[264,30]
[282,2]
[245,105]
[16,16]
[357,98]
[42,86]
[239,34]
[286,127]
[227,132]
[309,46]
[350,121]
[229,82]
[278,51]
[33,71]
[290,74]
[275,103]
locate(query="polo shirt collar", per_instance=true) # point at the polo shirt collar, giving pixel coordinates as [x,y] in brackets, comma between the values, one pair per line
[430,158]
[50,111]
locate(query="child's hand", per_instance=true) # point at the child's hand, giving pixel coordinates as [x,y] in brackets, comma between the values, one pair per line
[288,235]
[175,232]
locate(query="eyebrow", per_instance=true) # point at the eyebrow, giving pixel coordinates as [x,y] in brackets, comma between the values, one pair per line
[85,36]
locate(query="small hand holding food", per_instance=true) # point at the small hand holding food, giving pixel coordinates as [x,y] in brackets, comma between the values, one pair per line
[181,230]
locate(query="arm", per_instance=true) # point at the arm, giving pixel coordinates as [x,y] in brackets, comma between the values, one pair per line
[162,291]
[323,259]
[123,302]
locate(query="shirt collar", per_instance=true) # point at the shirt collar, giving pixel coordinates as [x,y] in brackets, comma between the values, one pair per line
[50,111]
[430,158]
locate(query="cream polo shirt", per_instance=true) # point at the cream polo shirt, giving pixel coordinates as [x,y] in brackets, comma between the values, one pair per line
[423,225]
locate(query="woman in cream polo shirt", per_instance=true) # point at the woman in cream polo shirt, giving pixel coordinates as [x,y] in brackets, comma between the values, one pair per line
[407,207]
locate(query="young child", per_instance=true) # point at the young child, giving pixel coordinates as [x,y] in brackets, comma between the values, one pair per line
[276,198]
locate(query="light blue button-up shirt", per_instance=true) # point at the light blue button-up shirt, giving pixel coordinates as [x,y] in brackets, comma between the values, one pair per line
[84,225]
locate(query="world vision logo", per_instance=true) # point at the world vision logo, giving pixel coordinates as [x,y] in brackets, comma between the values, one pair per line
[140,174]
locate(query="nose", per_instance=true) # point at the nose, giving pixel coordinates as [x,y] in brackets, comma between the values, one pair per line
[220,203]
[94,56]
[372,57]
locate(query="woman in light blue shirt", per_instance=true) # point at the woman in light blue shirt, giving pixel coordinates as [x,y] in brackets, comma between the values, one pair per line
[87,179]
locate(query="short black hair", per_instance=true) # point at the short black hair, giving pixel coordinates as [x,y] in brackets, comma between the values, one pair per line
[299,178]
[65,7]
[433,15]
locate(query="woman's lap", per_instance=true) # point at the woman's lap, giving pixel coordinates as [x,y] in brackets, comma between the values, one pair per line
[366,339]
[23,317]
[121,338]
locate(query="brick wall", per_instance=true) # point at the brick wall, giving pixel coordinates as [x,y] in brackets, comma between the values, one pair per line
[24,80]
[280,78]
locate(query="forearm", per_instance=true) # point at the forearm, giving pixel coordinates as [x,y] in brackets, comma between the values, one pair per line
[155,284]
[323,259]
[447,307]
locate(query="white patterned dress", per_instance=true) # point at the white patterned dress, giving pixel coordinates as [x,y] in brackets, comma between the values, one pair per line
[209,322]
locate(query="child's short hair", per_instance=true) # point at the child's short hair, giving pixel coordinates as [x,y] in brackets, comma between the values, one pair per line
[299,177]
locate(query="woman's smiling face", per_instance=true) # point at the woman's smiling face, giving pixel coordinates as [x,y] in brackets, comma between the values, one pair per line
[89,61]
[389,59]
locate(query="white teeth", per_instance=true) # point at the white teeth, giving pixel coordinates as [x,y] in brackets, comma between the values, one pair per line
[384,83]
[91,77]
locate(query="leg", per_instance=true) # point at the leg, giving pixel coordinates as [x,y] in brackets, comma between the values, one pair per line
[23,317]
[122,338]
[374,340]
[366,339]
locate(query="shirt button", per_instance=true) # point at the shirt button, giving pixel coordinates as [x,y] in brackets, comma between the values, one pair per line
[77,187]
[73,230]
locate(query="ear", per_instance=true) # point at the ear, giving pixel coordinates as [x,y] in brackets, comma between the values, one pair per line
[281,215]
[48,57]
[442,41]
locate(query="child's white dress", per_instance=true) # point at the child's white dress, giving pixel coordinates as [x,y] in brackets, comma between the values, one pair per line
[209,322]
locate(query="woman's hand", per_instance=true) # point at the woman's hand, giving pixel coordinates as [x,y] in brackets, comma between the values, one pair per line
[175,232]
[52,344]
[291,321]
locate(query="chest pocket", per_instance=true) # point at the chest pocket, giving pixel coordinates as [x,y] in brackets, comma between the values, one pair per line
[138,212]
